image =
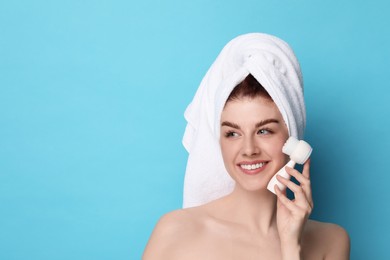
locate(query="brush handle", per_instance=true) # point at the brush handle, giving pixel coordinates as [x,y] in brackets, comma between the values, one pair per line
[282,172]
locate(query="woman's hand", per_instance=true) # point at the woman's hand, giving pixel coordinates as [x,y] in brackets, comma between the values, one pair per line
[292,214]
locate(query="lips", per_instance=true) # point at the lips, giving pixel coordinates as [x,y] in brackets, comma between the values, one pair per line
[252,168]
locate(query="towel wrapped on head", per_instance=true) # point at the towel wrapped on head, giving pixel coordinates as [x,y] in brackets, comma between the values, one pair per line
[273,64]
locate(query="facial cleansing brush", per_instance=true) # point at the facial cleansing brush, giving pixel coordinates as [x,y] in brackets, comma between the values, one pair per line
[299,151]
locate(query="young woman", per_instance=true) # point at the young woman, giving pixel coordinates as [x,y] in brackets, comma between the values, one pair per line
[237,127]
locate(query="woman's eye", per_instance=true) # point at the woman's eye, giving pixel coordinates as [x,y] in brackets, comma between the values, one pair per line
[231,134]
[264,131]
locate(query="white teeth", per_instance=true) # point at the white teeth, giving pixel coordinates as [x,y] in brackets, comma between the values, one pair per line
[252,166]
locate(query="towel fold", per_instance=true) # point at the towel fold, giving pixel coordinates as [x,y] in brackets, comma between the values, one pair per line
[273,64]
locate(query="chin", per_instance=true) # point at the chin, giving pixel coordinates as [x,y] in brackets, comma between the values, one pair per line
[253,183]
[253,186]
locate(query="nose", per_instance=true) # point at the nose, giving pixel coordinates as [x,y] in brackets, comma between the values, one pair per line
[250,147]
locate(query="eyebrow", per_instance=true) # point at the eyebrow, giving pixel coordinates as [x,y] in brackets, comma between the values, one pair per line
[259,124]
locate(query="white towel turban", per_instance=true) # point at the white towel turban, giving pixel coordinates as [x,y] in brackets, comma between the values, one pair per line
[273,64]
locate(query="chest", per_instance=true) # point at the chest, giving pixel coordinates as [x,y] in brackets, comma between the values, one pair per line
[236,244]
[229,245]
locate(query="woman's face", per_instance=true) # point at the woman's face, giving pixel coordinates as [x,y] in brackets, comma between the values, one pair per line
[252,136]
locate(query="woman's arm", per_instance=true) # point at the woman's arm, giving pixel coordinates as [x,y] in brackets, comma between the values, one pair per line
[291,251]
[292,215]
[292,218]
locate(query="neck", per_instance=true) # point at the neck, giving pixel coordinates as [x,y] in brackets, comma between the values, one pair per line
[255,210]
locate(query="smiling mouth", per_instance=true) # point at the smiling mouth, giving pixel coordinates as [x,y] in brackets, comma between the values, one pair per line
[254,166]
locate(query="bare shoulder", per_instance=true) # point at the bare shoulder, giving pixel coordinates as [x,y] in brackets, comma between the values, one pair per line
[330,239]
[173,229]
[174,221]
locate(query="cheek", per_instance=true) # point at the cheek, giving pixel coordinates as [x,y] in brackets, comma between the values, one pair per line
[229,151]
[275,149]
[226,149]
[277,145]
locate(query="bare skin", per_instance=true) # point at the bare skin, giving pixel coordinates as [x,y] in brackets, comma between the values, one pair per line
[201,233]
[251,222]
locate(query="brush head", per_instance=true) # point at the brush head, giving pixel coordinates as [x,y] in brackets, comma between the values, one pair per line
[298,150]
[289,146]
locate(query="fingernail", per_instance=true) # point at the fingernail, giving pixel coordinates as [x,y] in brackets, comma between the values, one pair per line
[276,188]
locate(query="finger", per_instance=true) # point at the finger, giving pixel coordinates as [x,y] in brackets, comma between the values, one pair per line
[284,200]
[299,193]
[306,169]
[291,185]
[304,183]
[302,211]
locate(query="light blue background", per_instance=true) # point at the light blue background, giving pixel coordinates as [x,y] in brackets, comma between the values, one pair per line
[92,95]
